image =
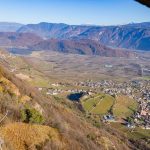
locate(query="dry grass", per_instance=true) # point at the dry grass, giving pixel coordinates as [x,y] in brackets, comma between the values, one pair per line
[10,86]
[26,136]
[107,143]
[23,77]
[25,99]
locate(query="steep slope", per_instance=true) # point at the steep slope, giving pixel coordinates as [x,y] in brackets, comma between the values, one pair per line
[84,47]
[131,36]
[13,102]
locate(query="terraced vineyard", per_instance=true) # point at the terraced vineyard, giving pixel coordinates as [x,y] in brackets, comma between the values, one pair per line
[99,104]
[124,106]
[121,106]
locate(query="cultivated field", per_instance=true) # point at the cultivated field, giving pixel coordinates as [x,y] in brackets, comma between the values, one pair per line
[124,106]
[73,67]
[99,104]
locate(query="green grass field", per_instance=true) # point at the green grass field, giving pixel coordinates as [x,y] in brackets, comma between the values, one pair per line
[100,104]
[124,106]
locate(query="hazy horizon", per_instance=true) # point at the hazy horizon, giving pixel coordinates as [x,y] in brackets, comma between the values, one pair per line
[75,24]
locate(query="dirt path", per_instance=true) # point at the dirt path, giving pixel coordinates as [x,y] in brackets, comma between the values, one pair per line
[96,105]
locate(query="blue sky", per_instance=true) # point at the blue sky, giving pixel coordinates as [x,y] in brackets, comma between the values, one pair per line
[100,12]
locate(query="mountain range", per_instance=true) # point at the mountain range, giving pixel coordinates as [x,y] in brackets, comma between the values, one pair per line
[83,47]
[130,36]
[9,27]
[78,39]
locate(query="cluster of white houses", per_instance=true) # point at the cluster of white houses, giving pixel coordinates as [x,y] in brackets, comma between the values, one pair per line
[139,90]
[56,91]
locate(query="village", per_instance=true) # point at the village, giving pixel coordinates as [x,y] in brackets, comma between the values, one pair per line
[139,90]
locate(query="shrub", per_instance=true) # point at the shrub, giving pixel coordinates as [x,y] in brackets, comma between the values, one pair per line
[91,136]
[130,120]
[31,115]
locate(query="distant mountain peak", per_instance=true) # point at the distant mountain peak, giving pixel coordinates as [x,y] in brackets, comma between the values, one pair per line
[9,26]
